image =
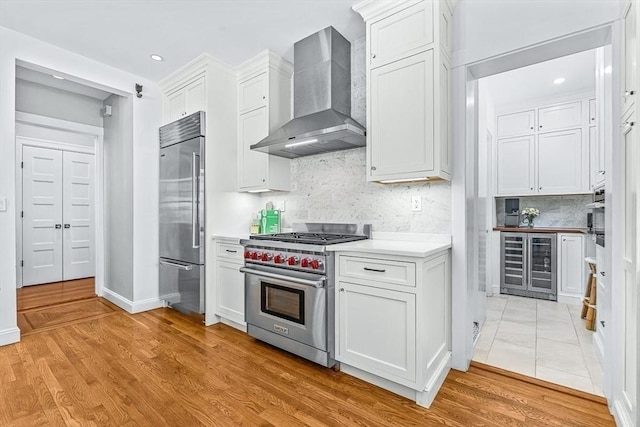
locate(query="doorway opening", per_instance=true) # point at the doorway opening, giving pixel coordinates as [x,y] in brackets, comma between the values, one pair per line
[540,150]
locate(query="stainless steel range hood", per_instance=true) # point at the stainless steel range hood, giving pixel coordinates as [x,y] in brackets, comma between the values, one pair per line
[321,101]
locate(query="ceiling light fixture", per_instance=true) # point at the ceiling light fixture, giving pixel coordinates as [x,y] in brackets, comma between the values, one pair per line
[295,144]
[57,77]
[558,81]
[156,57]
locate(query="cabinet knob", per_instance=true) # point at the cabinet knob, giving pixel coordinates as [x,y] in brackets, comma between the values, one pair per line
[373,168]
[602,273]
[341,289]
[629,92]
[540,188]
[264,180]
[531,188]
[264,97]
[58,226]
[602,323]
[564,240]
[531,127]
[373,56]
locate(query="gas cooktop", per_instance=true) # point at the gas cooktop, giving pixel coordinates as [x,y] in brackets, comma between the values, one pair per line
[311,238]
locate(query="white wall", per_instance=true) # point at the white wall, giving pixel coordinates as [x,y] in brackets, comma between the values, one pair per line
[487,28]
[146,119]
[118,196]
[60,104]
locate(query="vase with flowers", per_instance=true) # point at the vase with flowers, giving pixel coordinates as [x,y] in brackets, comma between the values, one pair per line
[529,215]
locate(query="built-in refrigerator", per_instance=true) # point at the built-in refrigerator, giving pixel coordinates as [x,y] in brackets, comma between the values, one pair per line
[528,265]
[182,256]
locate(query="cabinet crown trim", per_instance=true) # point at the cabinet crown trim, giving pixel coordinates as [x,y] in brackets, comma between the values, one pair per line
[198,66]
[369,9]
[263,61]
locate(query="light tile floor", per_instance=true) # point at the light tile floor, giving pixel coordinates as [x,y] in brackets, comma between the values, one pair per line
[541,339]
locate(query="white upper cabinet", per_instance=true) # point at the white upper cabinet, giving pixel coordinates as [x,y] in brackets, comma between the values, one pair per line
[406,120]
[560,162]
[408,89]
[252,93]
[516,124]
[401,34]
[630,55]
[185,100]
[560,116]
[264,104]
[516,165]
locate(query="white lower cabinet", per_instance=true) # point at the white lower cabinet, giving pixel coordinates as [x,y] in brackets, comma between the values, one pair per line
[377,330]
[393,325]
[229,282]
[571,268]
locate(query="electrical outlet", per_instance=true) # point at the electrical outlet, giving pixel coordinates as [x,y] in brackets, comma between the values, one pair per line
[281,205]
[3,204]
[416,203]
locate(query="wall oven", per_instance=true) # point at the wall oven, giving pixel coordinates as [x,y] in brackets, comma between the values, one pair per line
[597,207]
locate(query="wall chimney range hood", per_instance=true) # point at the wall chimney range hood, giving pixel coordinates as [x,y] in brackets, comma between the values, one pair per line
[321,101]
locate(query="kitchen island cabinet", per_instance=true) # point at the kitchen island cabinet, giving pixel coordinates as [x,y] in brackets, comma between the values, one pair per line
[393,315]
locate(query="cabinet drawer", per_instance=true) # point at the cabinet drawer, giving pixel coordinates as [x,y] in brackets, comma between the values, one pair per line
[393,272]
[252,93]
[229,251]
[402,34]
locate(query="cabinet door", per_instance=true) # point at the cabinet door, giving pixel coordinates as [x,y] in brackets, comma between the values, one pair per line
[571,264]
[229,291]
[377,331]
[195,97]
[596,161]
[401,34]
[252,93]
[176,105]
[560,116]
[515,165]
[402,117]
[516,124]
[560,162]
[593,112]
[630,56]
[252,127]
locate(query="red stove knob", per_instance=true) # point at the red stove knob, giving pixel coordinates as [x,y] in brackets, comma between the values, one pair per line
[304,262]
[254,255]
[266,256]
[292,260]
[315,264]
[278,259]
[247,254]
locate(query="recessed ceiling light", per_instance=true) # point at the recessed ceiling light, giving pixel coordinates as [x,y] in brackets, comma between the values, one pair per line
[57,77]
[156,57]
[558,81]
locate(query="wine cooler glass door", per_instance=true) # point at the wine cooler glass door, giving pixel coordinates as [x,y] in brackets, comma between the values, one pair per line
[514,261]
[542,263]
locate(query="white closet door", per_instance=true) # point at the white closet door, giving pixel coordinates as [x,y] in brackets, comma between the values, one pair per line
[78,209]
[42,210]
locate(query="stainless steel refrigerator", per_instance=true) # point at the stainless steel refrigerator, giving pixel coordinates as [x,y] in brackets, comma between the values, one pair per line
[182,271]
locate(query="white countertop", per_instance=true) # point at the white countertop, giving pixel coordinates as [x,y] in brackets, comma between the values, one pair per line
[418,249]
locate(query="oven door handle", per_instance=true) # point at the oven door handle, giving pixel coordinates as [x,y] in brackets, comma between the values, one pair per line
[314,283]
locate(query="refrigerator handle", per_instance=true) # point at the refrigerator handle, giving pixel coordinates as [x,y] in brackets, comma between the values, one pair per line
[195,200]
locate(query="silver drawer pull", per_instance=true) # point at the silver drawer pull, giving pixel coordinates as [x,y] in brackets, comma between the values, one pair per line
[230,251]
[374,269]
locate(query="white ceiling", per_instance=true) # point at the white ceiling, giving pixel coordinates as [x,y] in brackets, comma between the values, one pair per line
[67,85]
[535,82]
[124,33]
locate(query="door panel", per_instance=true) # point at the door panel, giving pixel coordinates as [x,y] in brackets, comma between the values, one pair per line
[560,162]
[42,221]
[180,195]
[252,128]
[78,209]
[515,165]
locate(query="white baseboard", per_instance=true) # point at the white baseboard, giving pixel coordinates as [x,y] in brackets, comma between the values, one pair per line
[495,289]
[570,299]
[240,326]
[621,416]
[422,398]
[131,306]
[598,346]
[9,336]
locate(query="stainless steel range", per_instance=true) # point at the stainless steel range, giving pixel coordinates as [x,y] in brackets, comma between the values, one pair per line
[289,287]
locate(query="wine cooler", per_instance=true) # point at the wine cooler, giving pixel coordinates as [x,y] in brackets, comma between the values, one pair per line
[528,265]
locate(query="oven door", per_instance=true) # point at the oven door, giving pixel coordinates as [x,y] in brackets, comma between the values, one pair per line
[288,303]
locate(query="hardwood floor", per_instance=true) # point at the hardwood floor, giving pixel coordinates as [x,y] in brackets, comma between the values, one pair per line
[55,293]
[161,368]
